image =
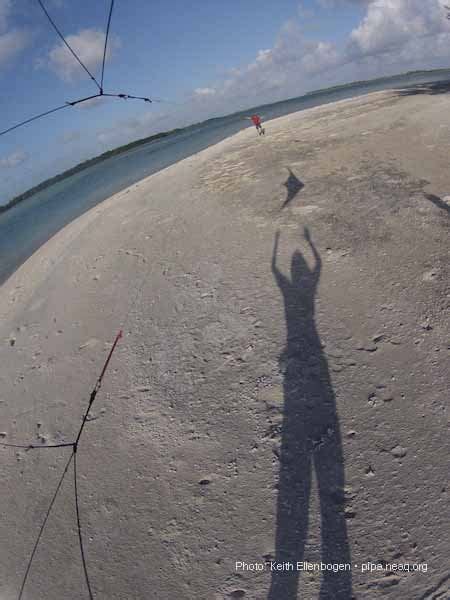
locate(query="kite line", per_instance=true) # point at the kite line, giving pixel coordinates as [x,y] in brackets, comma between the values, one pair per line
[74,444]
[74,54]
[101,91]
[106,43]
[74,103]
[41,530]
[73,457]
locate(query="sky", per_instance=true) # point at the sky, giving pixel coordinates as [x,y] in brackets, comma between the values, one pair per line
[199,59]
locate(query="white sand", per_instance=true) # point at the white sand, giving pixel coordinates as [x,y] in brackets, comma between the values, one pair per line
[181,261]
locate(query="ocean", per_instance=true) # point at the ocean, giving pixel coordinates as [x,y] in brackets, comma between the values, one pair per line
[29,224]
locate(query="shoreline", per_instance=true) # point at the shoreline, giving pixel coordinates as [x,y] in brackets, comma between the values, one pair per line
[28,225]
[195,413]
[80,167]
[10,271]
[305,111]
[162,134]
[214,148]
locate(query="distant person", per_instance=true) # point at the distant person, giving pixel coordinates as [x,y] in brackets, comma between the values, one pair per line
[256,119]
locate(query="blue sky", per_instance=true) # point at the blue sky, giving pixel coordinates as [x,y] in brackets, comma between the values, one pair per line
[206,57]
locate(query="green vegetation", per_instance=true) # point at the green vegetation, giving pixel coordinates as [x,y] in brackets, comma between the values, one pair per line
[121,149]
[379,79]
[84,165]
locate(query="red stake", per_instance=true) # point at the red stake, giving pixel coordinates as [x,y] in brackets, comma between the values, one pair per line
[96,388]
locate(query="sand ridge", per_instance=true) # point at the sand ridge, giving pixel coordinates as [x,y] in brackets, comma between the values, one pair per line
[198,419]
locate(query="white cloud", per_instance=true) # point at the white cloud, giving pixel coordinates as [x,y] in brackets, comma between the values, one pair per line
[13,160]
[88,44]
[70,136]
[12,40]
[393,36]
[206,91]
[144,125]
[5,11]
[334,3]
[390,25]
[286,69]
[11,44]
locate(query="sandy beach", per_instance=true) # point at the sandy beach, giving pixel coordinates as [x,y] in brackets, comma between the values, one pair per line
[264,404]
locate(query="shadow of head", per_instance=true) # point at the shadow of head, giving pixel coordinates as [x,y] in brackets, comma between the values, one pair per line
[431,89]
[293,186]
[299,268]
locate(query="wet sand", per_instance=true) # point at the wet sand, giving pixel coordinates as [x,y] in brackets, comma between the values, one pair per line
[262,405]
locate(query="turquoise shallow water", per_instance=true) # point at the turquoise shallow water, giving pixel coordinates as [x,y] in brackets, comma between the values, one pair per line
[28,225]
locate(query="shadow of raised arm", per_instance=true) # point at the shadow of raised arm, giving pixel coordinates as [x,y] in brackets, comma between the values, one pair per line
[282,281]
[318,261]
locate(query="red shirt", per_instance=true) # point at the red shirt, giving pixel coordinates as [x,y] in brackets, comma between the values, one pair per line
[256,120]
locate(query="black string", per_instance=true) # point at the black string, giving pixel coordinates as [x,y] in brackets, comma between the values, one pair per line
[74,446]
[80,536]
[99,85]
[74,103]
[106,44]
[38,539]
[66,43]
[48,112]
[168,102]
[128,96]
[35,447]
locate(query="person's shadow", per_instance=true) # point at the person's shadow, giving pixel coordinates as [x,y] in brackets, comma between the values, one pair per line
[310,437]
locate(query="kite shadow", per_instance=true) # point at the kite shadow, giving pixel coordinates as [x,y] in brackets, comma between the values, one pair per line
[310,439]
[438,202]
[293,186]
